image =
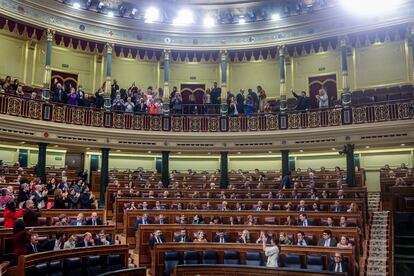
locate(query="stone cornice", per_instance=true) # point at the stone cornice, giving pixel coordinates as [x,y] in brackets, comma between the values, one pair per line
[331,22]
[94,137]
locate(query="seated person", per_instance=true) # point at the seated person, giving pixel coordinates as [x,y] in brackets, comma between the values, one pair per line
[183,237]
[302,207]
[283,239]
[161,219]
[263,237]
[338,265]
[302,240]
[87,241]
[102,239]
[80,220]
[221,237]
[216,220]
[337,207]
[303,220]
[33,246]
[329,222]
[70,243]
[144,219]
[156,237]
[244,237]
[54,244]
[327,240]
[94,220]
[62,220]
[199,237]
[344,243]
[198,220]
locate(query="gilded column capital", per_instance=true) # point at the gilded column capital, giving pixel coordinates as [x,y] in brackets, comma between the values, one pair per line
[167,53]
[281,49]
[50,34]
[343,41]
[223,55]
[109,48]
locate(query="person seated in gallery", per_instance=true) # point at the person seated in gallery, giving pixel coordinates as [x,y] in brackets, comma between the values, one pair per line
[327,240]
[338,264]
[183,237]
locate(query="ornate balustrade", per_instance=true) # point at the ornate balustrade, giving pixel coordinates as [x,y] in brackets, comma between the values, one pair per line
[58,113]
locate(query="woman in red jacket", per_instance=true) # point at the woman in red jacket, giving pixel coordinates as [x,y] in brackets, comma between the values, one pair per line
[21,237]
[11,214]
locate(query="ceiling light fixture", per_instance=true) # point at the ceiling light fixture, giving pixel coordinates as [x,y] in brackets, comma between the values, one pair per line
[209,22]
[76,5]
[110,14]
[152,15]
[275,17]
[184,17]
[242,20]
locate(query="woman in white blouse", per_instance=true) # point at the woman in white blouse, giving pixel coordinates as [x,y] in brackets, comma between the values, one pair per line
[323,99]
[271,252]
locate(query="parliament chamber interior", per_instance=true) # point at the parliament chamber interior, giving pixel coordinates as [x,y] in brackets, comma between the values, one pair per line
[206,137]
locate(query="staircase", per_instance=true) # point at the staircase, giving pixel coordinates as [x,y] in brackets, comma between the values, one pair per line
[379,254]
[374,202]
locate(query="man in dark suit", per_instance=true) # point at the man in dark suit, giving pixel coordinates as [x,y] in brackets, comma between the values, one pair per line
[220,237]
[94,220]
[56,244]
[215,94]
[33,246]
[183,237]
[303,102]
[338,265]
[161,219]
[302,207]
[303,220]
[87,241]
[30,214]
[240,101]
[142,220]
[337,207]
[59,95]
[327,240]
[302,240]
[86,199]
[80,220]
[255,99]
[156,238]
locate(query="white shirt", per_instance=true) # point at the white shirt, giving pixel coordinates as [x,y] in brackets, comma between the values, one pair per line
[327,243]
[272,254]
[338,267]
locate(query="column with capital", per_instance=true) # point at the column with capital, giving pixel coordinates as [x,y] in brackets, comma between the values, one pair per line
[223,66]
[107,97]
[167,54]
[283,101]
[412,52]
[346,94]
[48,69]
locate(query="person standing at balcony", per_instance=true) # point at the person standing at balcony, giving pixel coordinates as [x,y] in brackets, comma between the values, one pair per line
[59,95]
[262,99]
[240,101]
[303,101]
[129,105]
[177,103]
[255,99]
[323,99]
[114,89]
[72,98]
[99,99]
[216,96]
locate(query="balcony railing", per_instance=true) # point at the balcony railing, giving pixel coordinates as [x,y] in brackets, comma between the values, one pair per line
[58,113]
